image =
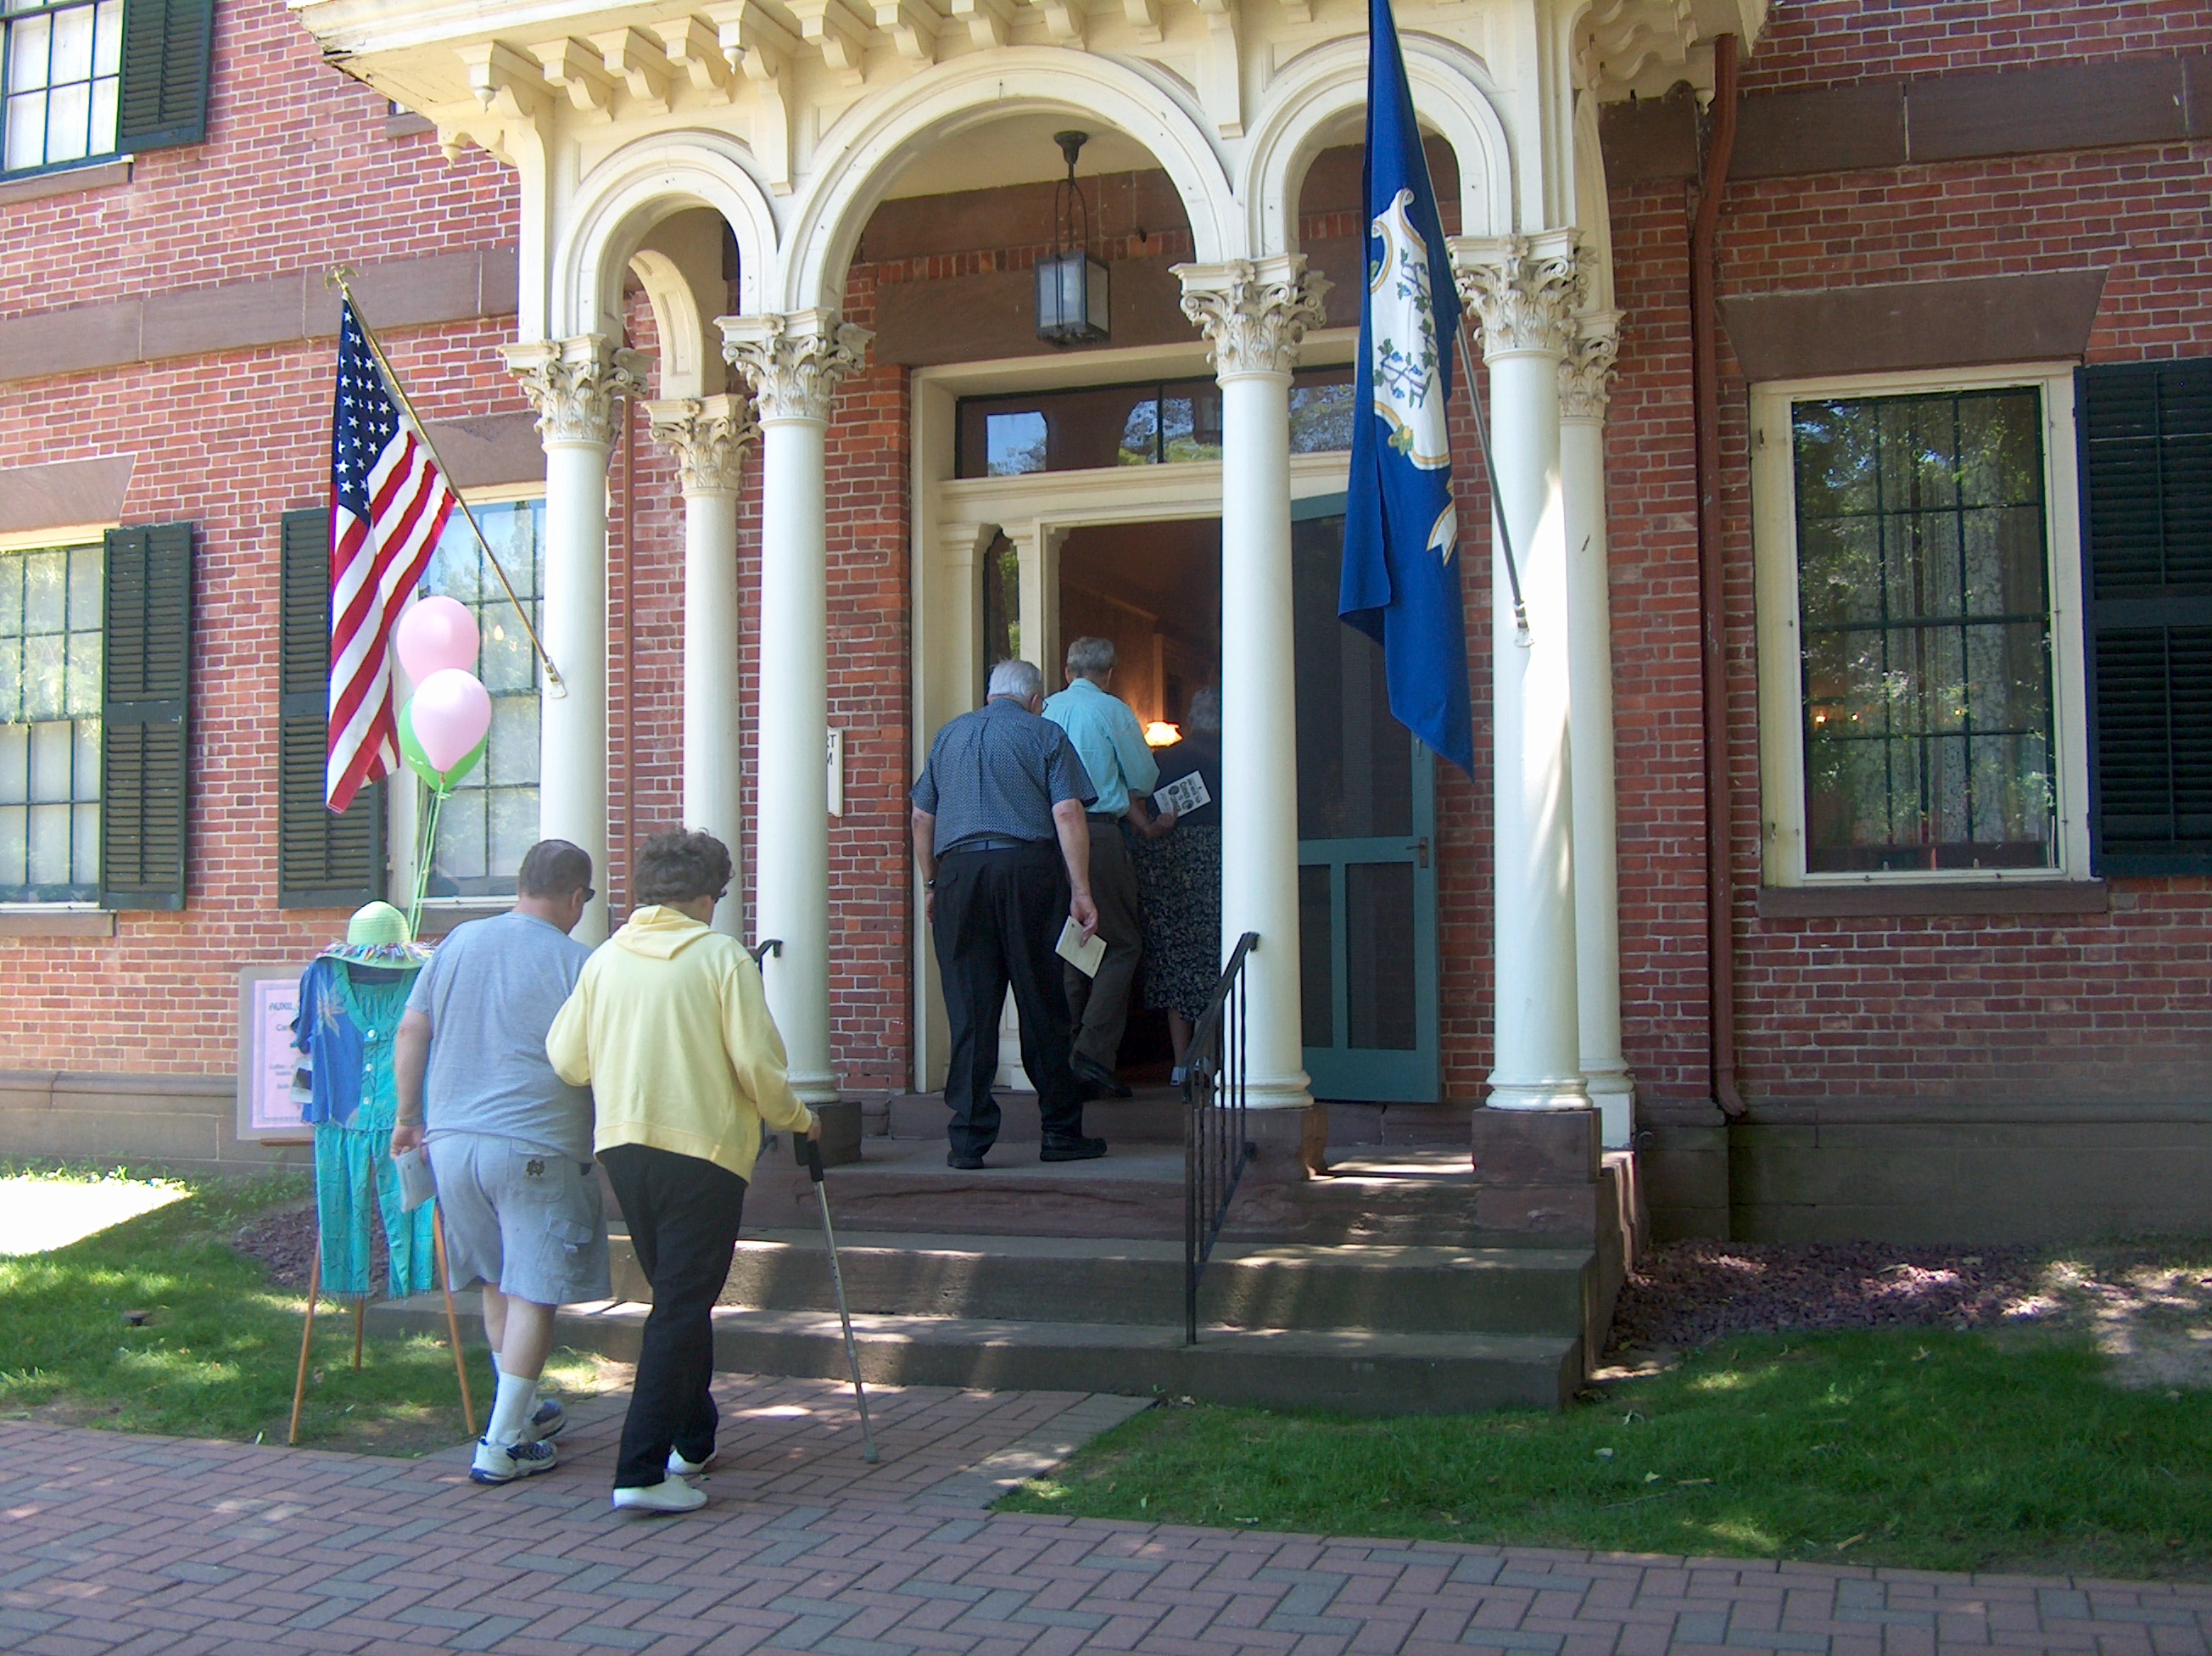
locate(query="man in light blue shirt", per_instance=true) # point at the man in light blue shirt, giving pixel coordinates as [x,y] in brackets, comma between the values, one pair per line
[1106,737]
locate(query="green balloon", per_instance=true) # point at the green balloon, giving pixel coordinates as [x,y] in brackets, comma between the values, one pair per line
[441,782]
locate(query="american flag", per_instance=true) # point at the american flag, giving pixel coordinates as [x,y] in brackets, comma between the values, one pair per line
[389,503]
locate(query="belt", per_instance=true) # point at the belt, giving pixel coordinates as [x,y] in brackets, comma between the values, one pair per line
[989,843]
[1102,816]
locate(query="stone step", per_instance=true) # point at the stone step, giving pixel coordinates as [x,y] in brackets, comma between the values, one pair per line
[1350,1373]
[1154,1115]
[1405,1290]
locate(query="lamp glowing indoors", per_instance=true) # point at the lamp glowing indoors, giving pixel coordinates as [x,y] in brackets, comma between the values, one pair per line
[1161,734]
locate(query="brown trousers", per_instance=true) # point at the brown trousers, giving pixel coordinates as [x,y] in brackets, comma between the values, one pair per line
[1098,1007]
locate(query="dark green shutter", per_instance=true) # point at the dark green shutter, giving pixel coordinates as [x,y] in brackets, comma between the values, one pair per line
[323,862]
[146,738]
[167,46]
[2146,439]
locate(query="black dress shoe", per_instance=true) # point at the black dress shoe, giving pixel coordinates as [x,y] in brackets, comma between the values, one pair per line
[1072,1149]
[1107,1083]
[966,1164]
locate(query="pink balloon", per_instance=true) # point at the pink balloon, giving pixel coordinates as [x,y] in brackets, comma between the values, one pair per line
[452,712]
[436,634]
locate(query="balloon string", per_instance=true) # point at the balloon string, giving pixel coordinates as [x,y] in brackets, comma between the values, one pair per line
[426,847]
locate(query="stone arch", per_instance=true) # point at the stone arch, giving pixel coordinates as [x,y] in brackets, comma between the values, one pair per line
[1449,95]
[615,208]
[869,148]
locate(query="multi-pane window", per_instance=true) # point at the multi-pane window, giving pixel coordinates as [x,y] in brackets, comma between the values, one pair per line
[50,703]
[62,69]
[1924,603]
[1151,423]
[491,818]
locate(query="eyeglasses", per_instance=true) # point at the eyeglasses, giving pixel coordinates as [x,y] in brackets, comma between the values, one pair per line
[590,892]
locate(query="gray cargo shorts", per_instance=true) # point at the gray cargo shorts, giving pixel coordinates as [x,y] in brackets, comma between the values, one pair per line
[532,1225]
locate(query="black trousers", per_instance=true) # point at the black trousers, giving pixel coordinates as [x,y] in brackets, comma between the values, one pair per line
[997,916]
[682,1214]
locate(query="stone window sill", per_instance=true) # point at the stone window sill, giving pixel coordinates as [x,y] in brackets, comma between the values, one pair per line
[1988,898]
[69,181]
[57,922]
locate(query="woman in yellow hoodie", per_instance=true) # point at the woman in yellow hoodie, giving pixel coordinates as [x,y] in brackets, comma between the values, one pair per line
[669,1028]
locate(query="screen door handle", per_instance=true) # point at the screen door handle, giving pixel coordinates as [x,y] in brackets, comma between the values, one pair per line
[1419,847]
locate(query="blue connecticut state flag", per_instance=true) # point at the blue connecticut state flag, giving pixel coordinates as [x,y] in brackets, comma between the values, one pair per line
[1402,582]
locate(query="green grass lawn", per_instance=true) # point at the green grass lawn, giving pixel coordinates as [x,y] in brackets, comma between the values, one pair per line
[217,1348]
[1921,1449]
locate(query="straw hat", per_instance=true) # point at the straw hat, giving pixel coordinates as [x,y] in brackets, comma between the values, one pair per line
[377,935]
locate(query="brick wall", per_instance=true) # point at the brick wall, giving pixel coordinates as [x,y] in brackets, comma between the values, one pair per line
[1819,43]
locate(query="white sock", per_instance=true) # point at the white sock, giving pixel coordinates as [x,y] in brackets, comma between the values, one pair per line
[510,1410]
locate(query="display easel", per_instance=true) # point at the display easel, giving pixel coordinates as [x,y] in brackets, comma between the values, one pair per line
[360,1319]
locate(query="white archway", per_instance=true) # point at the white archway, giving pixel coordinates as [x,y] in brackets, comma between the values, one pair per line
[866,150]
[1450,96]
[620,200]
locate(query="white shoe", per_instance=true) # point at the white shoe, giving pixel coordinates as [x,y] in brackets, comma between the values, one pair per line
[495,1463]
[679,1467]
[548,1419]
[669,1496]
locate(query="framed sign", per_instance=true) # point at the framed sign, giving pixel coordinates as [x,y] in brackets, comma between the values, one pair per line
[268,1000]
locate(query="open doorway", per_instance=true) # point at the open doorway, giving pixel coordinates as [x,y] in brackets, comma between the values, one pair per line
[1155,590]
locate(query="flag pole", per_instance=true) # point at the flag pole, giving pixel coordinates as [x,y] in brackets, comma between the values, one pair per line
[338,277]
[1521,635]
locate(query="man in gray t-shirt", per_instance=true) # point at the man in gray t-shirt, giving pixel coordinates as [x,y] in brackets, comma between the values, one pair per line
[509,1141]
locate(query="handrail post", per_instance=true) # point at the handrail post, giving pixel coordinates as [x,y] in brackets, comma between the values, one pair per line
[1215,1148]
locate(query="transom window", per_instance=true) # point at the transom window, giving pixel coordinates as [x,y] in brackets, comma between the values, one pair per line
[63,66]
[50,702]
[1154,422]
[1907,597]
[491,818]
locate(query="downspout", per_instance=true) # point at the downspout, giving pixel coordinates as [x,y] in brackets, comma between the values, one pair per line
[1705,396]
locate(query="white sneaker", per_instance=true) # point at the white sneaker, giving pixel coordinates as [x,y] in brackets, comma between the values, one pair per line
[679,1467]
[669,1496]
[495,1463]
[548,1419]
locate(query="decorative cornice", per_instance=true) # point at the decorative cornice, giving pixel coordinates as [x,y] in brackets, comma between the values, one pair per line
[708,435]
[795,364]
[1525,291]
[574,384]
[1254,312]
[1586,371]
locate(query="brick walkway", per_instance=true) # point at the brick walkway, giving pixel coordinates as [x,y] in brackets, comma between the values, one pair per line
[113,1543]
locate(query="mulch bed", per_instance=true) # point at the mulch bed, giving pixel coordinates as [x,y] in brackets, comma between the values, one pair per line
[1684,1294]
[284,1242]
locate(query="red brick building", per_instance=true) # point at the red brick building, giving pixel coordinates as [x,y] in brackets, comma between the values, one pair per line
[1961,496]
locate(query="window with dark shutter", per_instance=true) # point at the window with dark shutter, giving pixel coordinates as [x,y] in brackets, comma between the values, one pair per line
[167,46]
[2147,554]
[146,711]
[323,862]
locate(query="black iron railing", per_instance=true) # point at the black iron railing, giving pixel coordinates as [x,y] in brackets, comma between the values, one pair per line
[761,951]
[1214,1148]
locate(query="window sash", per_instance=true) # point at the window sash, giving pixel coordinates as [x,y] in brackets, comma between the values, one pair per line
[50,650]
[61,67]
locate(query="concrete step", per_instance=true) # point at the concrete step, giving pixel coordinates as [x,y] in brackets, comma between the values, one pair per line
[1154,1115]
[1405,1290]
[1351,1372]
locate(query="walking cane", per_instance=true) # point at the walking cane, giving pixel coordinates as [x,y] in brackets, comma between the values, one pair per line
[844,1316]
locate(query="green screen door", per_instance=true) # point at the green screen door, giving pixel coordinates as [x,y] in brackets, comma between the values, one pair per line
[1367,883]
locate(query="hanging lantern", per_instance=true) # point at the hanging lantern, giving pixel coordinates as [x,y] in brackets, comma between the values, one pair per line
[1071,285]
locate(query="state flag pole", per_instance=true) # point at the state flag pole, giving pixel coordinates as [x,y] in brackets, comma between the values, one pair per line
[339,278]
[1520,634]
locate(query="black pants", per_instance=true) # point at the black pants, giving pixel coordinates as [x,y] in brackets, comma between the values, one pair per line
[682,1214]
[997,916]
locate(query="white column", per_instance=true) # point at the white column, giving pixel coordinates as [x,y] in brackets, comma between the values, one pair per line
[1585,386]
[1524,289]
[576,386]
[1254,313]
[709,436]
[794,364]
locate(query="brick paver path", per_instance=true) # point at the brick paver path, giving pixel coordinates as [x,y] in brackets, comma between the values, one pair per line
[114,1543]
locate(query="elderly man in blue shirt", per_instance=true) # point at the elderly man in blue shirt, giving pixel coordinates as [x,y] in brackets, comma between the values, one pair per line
[1111,745]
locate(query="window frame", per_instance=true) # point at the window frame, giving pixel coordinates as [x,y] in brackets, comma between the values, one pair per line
[73,537]
[1780,660]
[117,150]
[403,821]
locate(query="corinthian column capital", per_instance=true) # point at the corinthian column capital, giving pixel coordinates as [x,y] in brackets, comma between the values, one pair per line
[1586,371]
[795,362]
[574,385]
[708,435]
[1254,312]
[1524,290]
